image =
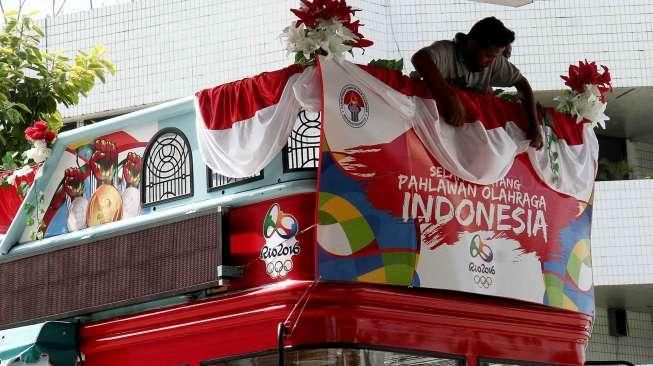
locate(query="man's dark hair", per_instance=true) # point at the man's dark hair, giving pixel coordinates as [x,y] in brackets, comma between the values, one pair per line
[490,32]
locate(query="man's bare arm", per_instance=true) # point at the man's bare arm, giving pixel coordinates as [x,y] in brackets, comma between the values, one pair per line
[530,108]
[448,102]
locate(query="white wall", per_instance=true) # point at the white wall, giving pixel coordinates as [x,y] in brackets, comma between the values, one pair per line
[622,227]
[166,49]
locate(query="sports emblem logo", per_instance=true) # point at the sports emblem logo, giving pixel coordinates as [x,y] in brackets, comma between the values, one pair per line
[478,248]
[279,231]
[354,108]
[483,281]
[483,272]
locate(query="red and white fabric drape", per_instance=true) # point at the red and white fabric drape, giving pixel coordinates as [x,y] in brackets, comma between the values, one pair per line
[241,126]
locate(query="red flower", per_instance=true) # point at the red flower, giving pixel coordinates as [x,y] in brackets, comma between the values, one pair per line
[587,73]
[312,11]
[39,131]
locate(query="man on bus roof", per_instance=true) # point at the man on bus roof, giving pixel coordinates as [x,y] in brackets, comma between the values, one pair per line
[475,61]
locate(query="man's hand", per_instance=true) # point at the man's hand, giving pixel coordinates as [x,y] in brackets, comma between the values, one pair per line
[453,110]
[535,135]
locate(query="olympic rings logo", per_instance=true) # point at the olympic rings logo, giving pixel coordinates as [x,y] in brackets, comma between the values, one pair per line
[279,268]
[483,281]
[478,248]
[276,221]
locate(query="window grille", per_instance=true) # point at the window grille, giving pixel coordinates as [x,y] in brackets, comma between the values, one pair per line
[218,181]
[303,148]
[168,168]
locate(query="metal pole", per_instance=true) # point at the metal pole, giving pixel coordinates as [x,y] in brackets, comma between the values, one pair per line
[281,333]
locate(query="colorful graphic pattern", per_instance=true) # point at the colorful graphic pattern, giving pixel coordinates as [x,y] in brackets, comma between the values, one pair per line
[375,247]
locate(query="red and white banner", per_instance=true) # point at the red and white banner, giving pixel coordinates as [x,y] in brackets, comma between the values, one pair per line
[243,125]
[482,150]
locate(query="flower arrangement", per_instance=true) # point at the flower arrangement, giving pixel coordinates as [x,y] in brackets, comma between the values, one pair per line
[41,137]
[586,99]
[325,27]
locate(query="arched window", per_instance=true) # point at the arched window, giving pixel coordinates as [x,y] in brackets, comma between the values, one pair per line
[303,148]
[167,168]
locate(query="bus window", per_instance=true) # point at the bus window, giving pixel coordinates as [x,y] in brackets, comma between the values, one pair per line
[508,363]
[341,357]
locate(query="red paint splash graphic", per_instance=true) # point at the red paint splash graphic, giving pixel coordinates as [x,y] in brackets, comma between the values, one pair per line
[401,178]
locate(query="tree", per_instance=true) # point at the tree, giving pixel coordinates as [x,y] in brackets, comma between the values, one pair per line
[34,82]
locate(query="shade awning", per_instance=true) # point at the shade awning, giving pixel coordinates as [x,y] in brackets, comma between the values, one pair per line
[49,343]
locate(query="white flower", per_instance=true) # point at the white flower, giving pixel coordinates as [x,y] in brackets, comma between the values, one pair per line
[589,106]
[297,40]
[585,105]
[39,152]
[334,29]
[337,48]
[330,36]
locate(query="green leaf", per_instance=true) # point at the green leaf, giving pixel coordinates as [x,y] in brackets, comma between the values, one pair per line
[8,161]
[38,30]
[396,65]
[300,59]
[23,188]
[21,106]
[54,120]
[100,75]
[108,65]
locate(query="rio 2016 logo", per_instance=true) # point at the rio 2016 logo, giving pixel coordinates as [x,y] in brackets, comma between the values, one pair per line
[279,231]
[478,248]
[483,273]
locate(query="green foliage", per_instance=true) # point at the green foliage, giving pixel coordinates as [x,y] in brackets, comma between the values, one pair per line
[34,82]
[552,144]
[300,59]
[613,170]
[513,97]
[9,160]
[397,65]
